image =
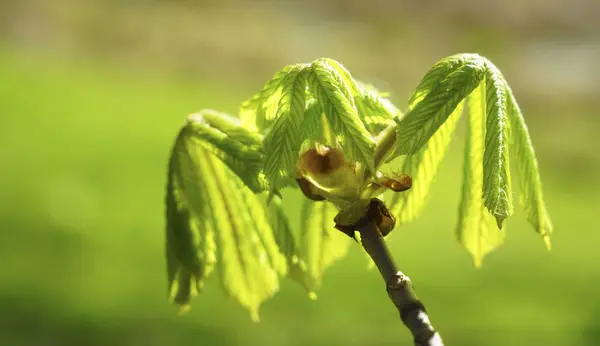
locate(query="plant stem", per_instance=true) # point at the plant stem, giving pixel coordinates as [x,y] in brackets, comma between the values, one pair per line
[386,142]
[399,288]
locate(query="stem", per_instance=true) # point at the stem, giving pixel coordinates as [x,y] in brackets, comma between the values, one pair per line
[399,288]
[386,142]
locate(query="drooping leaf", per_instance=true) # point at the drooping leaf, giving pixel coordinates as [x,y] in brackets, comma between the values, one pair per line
[422,167]
[375,111]
[337,102]
[190,254]
[476,229]
[227,220]
[437,98]
[190,249]
[283,141]
[248,258]
[497,193]
[236,146]
[437,73]
[257,113]
[288,244]
[320,243]
[527,169]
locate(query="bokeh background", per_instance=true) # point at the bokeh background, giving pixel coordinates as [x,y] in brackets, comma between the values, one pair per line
[93,92]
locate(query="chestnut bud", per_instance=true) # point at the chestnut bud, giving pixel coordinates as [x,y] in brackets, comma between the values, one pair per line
[322,160]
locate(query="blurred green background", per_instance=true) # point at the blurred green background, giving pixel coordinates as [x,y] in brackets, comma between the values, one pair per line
[92,94]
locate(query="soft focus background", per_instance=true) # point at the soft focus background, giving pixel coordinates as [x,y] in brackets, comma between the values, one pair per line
[93,92]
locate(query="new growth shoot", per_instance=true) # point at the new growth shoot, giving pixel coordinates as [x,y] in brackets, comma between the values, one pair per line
[315,128]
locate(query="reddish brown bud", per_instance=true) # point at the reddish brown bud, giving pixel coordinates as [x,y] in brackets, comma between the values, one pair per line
[321,161]
[401,183]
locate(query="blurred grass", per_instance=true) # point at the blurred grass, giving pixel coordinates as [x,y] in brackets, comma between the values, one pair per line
[83,150]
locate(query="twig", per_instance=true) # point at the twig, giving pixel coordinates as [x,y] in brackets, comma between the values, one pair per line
[399,287]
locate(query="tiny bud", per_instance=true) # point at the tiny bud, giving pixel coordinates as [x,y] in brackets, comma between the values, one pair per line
[401,183]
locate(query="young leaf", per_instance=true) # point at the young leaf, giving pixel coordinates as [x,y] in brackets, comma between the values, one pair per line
[453,82]
[239,148]
[496,169]
[283,141]
[376,111]
[337,102]
[527,169]
[320,243]
[316,128]
[256,112]
[220,203]
[422,167]
[187,265]
[190,249]
[311,126]
[247,255]
[373,109]
[476,229]
[437,73]
[288,244]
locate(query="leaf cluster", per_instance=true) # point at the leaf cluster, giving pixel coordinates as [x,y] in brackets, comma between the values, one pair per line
[223,208]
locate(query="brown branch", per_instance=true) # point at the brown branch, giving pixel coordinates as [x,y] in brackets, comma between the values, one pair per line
[399,286]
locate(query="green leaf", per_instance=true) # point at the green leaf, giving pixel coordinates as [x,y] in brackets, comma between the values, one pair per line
[313,116]
[476,229]
[320,243]
[190,249]
[257,113]
[422,167]
[336,100]
[316,128]
[224,137]
[283,141]
[226,220]
[527,169]
[437,73]
[343,74]
[248,258]
[497,193]
[190,254]
[440,91]
[288,244]
[374,110]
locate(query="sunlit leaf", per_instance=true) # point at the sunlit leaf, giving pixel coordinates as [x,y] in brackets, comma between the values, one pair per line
[248,258]
[189,259]
[257,113]
[283,141]
[375,111]
[497,193]
[226,220]
[337,103]
[288,243]
[436,74]
[527,169]
[437,100]
[236,146]
[476,229]
[320,243]
[422,167]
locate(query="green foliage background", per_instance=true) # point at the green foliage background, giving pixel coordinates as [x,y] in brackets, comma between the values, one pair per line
[83,150]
